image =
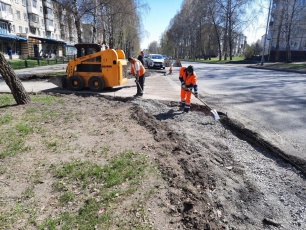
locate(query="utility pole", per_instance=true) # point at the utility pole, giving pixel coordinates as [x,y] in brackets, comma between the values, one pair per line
[264,46]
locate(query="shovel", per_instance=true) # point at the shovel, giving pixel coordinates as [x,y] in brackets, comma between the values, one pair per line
[213,111]
[137,82]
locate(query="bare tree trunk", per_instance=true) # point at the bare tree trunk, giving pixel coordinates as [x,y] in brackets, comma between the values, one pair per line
[215,27]
[20,95]
[277,43]
[225,36]
[94,26]
[230,30]
[279,30]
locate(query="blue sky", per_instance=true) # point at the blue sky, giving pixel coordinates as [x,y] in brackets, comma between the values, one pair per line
[158,18]
[161,12]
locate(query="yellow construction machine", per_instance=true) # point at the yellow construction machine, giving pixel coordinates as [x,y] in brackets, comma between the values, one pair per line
[95,68]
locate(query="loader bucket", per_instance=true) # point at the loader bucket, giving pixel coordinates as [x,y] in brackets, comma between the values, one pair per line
[58,81]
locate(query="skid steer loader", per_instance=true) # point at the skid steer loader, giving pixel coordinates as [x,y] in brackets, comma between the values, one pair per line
[95,69]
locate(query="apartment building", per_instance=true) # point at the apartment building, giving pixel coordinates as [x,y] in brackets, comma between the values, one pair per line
[278,30]
[35,29]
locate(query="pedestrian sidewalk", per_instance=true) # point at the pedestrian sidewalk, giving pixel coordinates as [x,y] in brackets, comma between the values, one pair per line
[157,86]
[41,70]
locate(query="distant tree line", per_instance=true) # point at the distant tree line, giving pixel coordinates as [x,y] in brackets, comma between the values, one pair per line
[206,28]
[117,22]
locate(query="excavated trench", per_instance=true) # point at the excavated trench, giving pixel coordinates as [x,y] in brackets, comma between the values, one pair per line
[254,138]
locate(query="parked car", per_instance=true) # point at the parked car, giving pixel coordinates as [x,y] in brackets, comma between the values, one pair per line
[165,57]
[145,58]
[155,61]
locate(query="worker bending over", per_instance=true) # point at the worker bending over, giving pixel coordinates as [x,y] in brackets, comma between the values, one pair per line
[188,80]
[138,70]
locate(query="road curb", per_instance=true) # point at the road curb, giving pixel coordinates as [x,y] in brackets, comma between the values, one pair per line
[276,69]
[256,139]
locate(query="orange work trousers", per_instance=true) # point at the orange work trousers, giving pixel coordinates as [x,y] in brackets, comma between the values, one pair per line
[186,97]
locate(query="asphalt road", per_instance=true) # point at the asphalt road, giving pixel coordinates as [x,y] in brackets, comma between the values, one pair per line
[271,102]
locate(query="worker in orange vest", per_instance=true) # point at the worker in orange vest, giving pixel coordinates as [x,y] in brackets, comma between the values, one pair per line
[188,80]
[138,70]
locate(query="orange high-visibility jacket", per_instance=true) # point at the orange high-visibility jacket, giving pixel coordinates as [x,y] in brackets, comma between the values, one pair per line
[133,67]
[191,80]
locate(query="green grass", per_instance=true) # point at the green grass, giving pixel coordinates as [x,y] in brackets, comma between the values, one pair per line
[6,99]
[12,139]
[45,99]
[21,64]
[13,132]
[66,197]
[28,193]
[23,129]
[120,169]
[5,118]
[10,216]
[216,60]
[87,193]
[127,168]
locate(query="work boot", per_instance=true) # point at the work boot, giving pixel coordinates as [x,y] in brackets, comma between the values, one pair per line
[186,110]
[138,95]
[181,106]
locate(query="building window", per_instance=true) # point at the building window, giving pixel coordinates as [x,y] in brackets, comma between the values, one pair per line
[18,14]
[17,1]
[38,32]
[13,28]
[20,29]
[5,7]
[34,18]
[49,22]
[25,16]
[34,3]
[49,11]
[27,30]
[24,2]
[33,30]
[3,28]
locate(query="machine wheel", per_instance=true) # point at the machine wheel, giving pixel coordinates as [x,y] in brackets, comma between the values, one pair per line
[96,83]
[76,82]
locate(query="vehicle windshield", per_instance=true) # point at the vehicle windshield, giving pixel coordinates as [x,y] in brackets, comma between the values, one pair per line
[157,57]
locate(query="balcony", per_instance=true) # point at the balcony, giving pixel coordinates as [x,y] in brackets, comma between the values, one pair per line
[50,28]
[49,16]
[33,10]
[34,24]
[6,16]
[48,4]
